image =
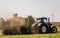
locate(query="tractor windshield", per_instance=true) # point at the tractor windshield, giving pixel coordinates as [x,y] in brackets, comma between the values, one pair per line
[45,20]
[42,20]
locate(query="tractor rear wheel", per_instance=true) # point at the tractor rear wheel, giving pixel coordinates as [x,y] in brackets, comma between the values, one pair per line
[43,29]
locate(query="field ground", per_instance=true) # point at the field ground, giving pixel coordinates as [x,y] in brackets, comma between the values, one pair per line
[56,35]
[51,35]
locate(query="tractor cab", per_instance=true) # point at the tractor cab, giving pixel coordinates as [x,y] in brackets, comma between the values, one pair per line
[43,20]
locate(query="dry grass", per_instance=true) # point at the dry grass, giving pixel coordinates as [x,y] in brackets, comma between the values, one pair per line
[56,35]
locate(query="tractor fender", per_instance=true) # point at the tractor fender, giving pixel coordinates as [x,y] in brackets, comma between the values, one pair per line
[34,24]
[52,26]
[39,24]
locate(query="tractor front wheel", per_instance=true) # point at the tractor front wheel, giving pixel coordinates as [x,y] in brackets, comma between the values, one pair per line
[54,29]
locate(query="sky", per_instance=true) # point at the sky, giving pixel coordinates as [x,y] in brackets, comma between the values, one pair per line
[36,8]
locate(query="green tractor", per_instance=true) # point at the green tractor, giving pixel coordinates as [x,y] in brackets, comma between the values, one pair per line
[43,25]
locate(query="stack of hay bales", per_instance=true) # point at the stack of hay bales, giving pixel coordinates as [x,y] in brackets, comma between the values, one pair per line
[18,25]
[17,22]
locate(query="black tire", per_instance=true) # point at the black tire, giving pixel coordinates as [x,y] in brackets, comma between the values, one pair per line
[54,29]
[25,30]
[43,29]
[6,32]
[13,32]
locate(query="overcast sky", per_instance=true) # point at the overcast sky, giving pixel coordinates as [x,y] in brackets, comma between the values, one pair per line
[36,8]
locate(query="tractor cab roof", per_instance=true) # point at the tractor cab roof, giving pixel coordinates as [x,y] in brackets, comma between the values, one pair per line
[42,18]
